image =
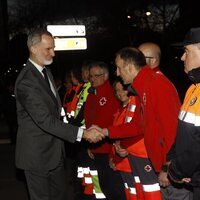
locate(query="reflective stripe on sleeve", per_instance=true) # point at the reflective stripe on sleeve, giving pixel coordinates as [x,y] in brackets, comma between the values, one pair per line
[151,188]
[132,108]
[99,195]
[126,185]
[137,179]
[132,190]
[189,118]
[88,180]
[128,119]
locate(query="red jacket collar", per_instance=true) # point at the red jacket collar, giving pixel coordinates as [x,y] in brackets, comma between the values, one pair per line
[103,88]
[143,74]
[156,69]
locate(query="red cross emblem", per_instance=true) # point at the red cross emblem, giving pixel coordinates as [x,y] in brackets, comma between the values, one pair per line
[102,101]
[147,168]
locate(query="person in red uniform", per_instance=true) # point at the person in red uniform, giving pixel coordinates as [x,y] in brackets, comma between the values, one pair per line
[99,109]
[130,156]
[160,106]
[152,55]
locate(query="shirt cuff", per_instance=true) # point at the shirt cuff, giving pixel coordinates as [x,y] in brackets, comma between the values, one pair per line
[79,135]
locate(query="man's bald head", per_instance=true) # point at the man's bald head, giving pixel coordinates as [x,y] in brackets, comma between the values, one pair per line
[152,53]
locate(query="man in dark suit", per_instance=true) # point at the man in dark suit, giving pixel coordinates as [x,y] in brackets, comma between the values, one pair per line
[39,146]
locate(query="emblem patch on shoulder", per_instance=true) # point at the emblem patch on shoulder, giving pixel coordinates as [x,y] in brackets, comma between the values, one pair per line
[102,101]
[193,101]
[147,168]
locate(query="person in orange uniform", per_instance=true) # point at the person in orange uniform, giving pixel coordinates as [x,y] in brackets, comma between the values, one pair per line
[184,159]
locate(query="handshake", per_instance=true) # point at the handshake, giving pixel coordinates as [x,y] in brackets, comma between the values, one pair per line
[95,134]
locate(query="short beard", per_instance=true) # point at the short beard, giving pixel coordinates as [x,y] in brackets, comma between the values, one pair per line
[47,62]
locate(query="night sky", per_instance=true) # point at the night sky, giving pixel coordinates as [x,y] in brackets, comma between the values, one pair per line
[107,29]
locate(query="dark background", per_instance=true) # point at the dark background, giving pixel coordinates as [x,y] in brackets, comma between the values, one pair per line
[107,30]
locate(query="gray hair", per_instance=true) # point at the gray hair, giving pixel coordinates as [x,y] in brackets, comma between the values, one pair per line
[36,36]
[101,65]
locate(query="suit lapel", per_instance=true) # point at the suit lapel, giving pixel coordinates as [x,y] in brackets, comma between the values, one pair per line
[53,83]
[42,82]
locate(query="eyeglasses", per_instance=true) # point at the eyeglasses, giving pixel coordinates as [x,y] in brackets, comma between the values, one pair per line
[96,75]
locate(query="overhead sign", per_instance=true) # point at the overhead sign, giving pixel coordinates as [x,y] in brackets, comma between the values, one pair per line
[62,44]
[66,30]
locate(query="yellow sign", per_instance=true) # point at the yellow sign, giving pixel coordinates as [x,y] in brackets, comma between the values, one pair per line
[62,44]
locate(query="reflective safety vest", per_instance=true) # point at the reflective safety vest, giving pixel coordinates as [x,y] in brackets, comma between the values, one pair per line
[70,100]
[138,148]
[82,96]
[190,112]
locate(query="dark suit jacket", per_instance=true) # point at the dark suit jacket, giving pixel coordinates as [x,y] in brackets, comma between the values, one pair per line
[40,133]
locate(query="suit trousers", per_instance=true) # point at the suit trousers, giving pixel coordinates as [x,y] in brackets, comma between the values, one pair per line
[177,192]
[47,185]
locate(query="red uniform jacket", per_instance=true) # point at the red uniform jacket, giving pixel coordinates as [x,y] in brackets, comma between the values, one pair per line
[161,105]
[133,145]
[99,110]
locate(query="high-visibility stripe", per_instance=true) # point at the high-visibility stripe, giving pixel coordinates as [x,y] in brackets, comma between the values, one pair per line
[189,118]
[72,113]
[151,188]
[126,185]
[88,180]
[137,179]
[79,105]
[80,172]
[181,114]
[62,112]
[132,190]
[79,169]
[132,108]
[128,119]
[99,195]
[94,172]
[69,115]
[65,120]
[83,126]
[86,170]
[80,175]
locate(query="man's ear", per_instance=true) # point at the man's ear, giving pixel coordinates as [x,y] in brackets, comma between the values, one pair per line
[33,49]
[153,61]
[130,67]
[132,70]
[106,76]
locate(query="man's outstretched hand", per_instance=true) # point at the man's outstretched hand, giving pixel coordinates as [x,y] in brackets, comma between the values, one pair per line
[93,135]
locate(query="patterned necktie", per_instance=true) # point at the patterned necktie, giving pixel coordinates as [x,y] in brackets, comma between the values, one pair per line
[44,71]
